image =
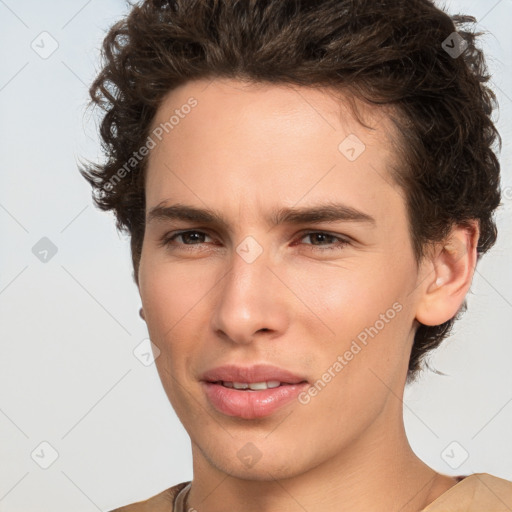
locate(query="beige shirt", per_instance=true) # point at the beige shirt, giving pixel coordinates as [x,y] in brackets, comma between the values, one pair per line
[479,492]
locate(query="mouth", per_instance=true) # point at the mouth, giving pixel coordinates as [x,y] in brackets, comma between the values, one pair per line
[250,392]
[251,400]
[254,386]
[258,376]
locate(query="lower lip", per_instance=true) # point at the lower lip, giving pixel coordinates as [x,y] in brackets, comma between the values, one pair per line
[251,404]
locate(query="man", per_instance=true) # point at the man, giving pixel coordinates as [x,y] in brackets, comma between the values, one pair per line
[308,187]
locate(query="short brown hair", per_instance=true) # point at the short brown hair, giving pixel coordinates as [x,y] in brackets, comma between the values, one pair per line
[394,52]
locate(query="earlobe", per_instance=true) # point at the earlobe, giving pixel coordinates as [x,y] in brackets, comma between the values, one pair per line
[141,314]
[447,283]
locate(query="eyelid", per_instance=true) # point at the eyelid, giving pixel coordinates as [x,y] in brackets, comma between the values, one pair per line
[343,240]
[340,236]
[169,236]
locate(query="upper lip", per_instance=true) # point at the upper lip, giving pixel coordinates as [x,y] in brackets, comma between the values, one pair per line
[251,374]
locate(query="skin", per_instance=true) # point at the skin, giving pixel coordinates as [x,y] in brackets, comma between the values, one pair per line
[244,150]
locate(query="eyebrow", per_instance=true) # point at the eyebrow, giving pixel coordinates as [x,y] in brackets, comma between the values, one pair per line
[329,212]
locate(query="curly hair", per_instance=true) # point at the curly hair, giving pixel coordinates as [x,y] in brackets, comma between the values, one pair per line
[407,54]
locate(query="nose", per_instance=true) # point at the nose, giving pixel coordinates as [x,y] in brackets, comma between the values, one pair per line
[251,301]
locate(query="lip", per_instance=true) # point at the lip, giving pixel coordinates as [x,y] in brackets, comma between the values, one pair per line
[251,374]
[251,404]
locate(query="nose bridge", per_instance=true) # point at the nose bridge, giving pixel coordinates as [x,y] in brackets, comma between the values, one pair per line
[249,273]
[245,304]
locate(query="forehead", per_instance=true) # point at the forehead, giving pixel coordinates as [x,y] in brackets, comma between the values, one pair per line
[229,102]
[263,141]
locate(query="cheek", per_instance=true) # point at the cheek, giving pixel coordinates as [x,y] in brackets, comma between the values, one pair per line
[360,315]
[167,292]
[367,354]
[174,298]
[168,298]
[349,295]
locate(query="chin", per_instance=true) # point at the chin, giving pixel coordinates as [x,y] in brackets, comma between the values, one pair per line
[243,460]
[261,471]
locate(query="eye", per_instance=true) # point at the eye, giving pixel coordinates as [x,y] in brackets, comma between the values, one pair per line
[325,237]
[195,237]
[185,236]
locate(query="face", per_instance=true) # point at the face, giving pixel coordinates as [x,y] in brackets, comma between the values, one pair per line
[330,298]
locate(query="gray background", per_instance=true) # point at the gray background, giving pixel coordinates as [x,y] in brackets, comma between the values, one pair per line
[69,326]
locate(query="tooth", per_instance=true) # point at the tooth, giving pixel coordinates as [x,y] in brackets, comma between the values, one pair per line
[255,386]
[258,385]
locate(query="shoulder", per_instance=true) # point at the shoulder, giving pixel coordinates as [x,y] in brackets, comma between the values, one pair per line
[474,493]
[162,502]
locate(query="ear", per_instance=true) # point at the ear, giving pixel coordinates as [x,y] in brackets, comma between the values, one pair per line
[447,276]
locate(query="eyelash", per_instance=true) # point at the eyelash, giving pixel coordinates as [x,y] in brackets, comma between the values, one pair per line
[167,240]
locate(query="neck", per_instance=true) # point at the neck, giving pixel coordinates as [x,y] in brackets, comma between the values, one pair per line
[378,471]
